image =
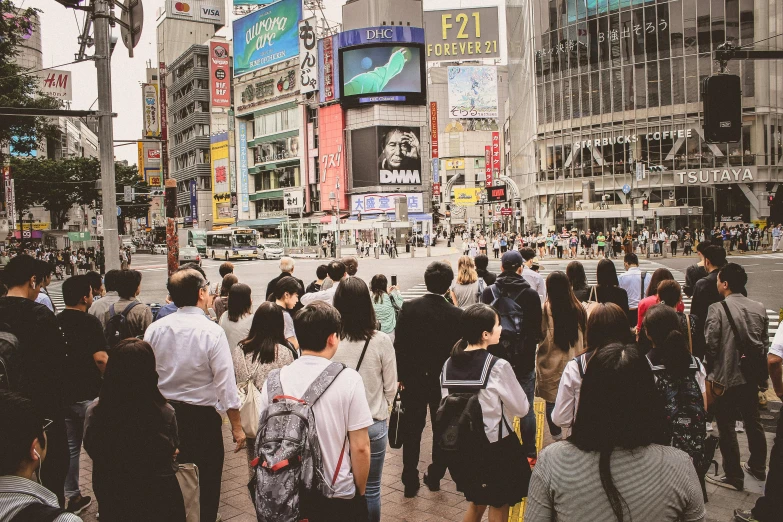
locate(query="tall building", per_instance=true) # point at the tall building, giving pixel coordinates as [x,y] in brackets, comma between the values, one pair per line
[601,91]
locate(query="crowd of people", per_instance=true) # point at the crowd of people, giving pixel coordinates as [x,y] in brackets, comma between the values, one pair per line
[638,394]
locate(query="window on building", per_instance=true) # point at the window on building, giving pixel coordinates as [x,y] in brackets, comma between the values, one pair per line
[690,36]
[641,86]
[691,80]
[653,88]
[274,122]
[665,83]
[595,88]
[703,25]
[606,91]
[315,197]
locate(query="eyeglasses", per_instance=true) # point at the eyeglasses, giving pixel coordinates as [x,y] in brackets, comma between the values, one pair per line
[205,285]
[46,424]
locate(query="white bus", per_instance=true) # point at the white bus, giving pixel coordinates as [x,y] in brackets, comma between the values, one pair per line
[232,243]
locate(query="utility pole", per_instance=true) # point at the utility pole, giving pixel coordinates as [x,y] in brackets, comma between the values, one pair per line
[111,241]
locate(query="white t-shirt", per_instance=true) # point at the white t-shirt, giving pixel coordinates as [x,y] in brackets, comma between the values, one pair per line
[342,408]
[288,325]
[777,344]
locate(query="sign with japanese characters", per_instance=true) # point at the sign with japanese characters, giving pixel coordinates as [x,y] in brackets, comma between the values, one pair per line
[308,55]
[243,172]
[152,124]
[434,129]
[488,165]
[219,80]
[384,202]
[259,92]
[495,154]
[473,92]
[293,199]
[328,65]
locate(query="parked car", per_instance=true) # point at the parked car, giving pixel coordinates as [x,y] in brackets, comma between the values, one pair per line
[271,251]
[130,245]
[189,255]
[159,249]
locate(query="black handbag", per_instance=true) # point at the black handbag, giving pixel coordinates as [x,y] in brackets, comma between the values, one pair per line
[396,422]
[752,365]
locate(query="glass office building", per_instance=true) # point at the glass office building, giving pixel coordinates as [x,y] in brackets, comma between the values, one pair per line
[617,91]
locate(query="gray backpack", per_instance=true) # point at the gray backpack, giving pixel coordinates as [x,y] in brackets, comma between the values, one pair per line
[288,464]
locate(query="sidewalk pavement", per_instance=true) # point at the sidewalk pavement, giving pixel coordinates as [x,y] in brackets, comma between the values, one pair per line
[446,505]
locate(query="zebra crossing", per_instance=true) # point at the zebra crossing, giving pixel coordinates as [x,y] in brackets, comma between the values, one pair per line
[774,319]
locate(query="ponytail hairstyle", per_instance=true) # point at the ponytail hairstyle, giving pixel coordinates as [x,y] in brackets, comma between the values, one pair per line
[476,319]
[662,326]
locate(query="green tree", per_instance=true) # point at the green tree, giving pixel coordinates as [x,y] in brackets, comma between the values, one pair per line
[17,88]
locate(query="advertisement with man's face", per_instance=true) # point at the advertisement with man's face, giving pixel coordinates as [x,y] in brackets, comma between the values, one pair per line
[399,161]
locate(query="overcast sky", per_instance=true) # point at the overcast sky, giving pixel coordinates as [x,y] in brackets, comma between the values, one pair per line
[60,28]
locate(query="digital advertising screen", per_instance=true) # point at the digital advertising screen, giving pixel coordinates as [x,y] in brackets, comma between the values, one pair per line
[383,74]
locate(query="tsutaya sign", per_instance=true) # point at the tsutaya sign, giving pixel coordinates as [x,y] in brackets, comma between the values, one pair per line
[716,176]
[633,138]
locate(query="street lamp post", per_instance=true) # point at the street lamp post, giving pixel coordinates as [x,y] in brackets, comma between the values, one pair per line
[334,198]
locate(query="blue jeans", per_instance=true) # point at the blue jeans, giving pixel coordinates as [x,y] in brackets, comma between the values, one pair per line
[528,422]
[554,429]
[379,436]
[74,424]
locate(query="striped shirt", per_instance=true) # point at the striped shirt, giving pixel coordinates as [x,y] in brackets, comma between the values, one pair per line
[18,492]
[656,482]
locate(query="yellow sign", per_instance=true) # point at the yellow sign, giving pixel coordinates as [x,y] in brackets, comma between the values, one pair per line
[221,188]
[467,197]
[140,161]
[36,226]
[155,182]
[455,164]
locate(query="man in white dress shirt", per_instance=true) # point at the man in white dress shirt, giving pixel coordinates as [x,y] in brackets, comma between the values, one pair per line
[196,375]
[534,279]
[635,282]
[337,272]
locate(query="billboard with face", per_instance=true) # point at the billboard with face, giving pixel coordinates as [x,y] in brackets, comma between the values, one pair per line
[386,156]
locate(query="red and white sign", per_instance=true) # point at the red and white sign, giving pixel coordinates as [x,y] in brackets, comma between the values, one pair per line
[436,189]
[219,79]
[506,211]
[488,165]
[56,83]
[328,71]
[153,154]
[434,127]
[164,125]
[496,154]
[331,147]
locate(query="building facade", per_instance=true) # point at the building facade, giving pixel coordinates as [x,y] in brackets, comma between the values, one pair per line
[607,89]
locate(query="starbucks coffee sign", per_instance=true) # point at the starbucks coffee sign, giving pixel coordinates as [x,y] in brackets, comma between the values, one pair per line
[716,176]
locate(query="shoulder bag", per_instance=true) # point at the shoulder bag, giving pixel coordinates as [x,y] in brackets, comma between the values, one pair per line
[187,476]
[592,301]
[690,335]
[752,365]
[249,398]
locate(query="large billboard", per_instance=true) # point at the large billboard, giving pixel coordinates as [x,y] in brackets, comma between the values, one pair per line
[221,188]
[207,11]
[331,147]
[329,67]
[462,34]
[267,36]
[219,81]
[308,55]
[386,156]
[473,92]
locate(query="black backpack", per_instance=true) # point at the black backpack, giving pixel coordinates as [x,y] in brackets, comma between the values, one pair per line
[37,512]
[459,422]
[117,327]
[512,335]
[10,360]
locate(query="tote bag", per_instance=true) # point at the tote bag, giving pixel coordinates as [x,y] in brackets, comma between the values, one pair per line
[187,476]
[590,304]
[249,399]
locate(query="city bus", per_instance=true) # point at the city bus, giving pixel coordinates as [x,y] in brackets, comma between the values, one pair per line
[232,243]
[193,237]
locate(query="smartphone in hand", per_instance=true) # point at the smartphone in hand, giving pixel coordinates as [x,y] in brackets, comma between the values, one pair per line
[394,280]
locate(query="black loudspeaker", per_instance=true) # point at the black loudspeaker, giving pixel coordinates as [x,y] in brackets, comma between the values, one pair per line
[722,97]
[171,202]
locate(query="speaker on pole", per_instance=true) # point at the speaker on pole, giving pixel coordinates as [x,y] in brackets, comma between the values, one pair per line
[722,98]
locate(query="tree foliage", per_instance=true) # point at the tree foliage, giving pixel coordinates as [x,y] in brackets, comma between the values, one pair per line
[58,185]
[18,89]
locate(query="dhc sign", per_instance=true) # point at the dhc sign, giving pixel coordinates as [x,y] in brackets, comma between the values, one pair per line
[380,34]
[716,176]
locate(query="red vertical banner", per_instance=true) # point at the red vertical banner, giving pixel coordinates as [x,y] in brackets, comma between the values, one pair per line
[496,154]
[434,128]
[219,81]
[328,69]
[488,165]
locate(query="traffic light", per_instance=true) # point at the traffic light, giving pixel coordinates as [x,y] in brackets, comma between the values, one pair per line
[171,198]
[771,199]
[645,204]
[722,97]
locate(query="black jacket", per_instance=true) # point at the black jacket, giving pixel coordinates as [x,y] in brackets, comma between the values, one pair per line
[426,332]
[271,288]
[487,276]
[612,294]
[530,302]
[705,293]
[692,276]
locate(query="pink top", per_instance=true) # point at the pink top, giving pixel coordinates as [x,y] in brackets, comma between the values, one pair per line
[653,300]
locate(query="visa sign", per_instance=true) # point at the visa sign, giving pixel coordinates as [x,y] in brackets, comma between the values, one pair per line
[210,12]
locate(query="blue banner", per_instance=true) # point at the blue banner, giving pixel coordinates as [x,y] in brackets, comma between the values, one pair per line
[267,36]
[380,35]
[194,200]
[244,188]
[435,170]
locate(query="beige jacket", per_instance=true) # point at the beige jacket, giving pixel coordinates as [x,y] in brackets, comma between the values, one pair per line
[551,360]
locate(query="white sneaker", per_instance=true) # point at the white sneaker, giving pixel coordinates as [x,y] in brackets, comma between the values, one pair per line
[739,427]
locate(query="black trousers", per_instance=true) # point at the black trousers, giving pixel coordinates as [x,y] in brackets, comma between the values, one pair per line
[633,316]
[316,508]
[744,399]
[58,458]
[770,506]
[415,402]
[201,442]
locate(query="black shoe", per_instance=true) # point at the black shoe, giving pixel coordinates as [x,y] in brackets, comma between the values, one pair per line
[78,504]
[725,482]
[762,477]
[433,485]
[411,490]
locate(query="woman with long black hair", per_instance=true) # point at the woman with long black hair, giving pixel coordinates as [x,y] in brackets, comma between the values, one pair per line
[563,327]
[576,275]
[130,432]
[498,476]
[617,464]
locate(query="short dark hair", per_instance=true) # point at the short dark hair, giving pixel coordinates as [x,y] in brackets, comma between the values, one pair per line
[527,253]
[631,259]
[322,272]
[74,288]
[96,281]
[226,268]
[184,287]
[669,292]
[352,300]
[735,276]
[481,261]
[287,284]
[110,280]
[20,270]
[128,282]
[229,280]
[438,277]
[716,255]
[193,266]
[336,270]
[351,265]
[44,270]
[702,246]
[239,302]
[22,423]
[314,324]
